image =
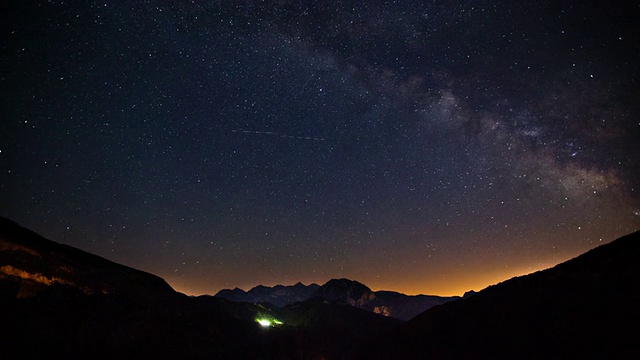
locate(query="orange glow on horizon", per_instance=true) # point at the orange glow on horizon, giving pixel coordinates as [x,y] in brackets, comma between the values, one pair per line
[453,285]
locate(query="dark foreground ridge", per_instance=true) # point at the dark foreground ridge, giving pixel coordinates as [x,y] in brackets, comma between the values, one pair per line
[584,308]
[40,263]
[60,302]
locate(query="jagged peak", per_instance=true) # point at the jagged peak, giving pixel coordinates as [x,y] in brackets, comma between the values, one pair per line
[344,282]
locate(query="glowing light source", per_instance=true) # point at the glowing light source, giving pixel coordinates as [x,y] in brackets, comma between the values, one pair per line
[268,322]
[264,322]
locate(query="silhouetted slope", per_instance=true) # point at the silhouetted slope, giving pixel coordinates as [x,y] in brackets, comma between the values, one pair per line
[586,307]
[35,263]
[405,307]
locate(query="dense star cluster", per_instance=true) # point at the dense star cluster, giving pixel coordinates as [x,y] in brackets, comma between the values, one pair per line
[418,146]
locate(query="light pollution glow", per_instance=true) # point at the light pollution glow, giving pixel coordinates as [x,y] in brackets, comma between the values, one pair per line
[454,285]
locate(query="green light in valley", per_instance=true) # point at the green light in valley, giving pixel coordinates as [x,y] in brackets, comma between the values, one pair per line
[267,322]
[264,322]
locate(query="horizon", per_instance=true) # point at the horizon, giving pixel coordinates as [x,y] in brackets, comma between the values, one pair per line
[510,274]
[407,291]
[246,288]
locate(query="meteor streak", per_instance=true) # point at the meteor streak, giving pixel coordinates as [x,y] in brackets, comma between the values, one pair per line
[279,135]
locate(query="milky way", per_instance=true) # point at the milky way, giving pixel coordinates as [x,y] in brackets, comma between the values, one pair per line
[411,146]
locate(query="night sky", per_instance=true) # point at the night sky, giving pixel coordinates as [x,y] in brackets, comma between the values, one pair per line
[419,146]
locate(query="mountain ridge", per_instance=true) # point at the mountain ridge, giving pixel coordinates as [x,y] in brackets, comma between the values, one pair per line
[340,291]
[278,295]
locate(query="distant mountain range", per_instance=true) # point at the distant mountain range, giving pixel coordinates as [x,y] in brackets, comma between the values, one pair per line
[340,291]
[279,295]
[60,302]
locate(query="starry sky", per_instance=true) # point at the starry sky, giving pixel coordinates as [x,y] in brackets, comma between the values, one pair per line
[419,146]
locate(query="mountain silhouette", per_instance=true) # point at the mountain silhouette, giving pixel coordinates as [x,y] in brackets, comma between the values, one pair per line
[584,308]
[340,291]
[279,295]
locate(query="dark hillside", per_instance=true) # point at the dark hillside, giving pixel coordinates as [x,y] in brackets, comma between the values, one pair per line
[586,307]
